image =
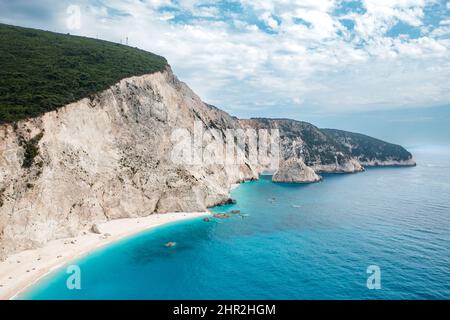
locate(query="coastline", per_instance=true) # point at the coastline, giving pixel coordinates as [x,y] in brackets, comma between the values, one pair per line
[22,270]
[234,186]
[390,163]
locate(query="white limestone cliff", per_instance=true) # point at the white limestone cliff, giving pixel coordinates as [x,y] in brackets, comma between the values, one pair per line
[105,158]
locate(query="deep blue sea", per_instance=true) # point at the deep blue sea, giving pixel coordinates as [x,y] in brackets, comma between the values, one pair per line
[292,242]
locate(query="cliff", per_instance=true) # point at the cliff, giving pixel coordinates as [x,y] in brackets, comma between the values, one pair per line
[42,71]
[370,151]
[107,157]
[110,155]
[294,170]
[302,140]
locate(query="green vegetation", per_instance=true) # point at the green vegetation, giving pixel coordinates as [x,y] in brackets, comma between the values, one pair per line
[1,196]
[41,71]
[366,148]
[318,147]
[31,150]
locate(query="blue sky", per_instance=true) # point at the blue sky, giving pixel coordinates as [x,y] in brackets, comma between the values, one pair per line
[324,60]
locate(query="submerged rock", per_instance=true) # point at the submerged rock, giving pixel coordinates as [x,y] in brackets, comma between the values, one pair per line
[170,244]
[221,215]
[230,201]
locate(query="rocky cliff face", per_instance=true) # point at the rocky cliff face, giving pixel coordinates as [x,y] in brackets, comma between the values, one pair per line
[370,151]
[111,156]
[294,170]
[306,151]
[303,140]
[105,158]
[316,149]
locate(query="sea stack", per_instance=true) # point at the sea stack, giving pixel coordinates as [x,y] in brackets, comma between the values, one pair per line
[294,170]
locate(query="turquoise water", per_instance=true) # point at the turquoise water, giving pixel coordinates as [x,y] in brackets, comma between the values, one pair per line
[297,242]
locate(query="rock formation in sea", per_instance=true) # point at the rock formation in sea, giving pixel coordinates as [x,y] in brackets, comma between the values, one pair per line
[296,171]
[109,156]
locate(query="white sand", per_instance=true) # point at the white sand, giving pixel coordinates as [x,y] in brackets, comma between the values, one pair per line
[24,269]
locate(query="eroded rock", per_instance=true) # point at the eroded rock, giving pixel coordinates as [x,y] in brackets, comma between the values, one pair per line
[294,170]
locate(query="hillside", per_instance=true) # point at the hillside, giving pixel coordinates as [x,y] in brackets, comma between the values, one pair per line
[303,140]
[41,71]
[369,150]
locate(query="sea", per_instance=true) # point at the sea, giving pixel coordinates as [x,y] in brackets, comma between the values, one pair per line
[380,234]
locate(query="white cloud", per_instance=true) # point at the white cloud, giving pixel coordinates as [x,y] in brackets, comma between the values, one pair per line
[381,15]
[269,20]
[236,65]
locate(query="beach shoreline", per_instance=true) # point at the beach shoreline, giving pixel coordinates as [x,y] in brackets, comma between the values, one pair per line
[22,270]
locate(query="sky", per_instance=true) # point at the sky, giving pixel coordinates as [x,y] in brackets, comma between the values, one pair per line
[380,67]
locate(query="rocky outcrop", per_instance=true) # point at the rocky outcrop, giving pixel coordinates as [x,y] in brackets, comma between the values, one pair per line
[328,150]
[348,166]
[370,151]
[317,150]
[294,170]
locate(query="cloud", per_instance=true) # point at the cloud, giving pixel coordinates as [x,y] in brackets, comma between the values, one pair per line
[269,20]
[254,57]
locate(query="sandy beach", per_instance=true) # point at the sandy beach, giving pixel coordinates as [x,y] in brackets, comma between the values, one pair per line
[22,270]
